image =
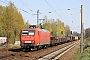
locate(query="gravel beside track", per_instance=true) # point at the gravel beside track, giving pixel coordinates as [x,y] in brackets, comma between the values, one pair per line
[70,54]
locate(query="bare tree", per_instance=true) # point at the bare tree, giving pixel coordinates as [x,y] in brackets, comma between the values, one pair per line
[87,32]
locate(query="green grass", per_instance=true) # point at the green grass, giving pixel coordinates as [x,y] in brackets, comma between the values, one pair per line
[87,39]
[86,54]
[83,56]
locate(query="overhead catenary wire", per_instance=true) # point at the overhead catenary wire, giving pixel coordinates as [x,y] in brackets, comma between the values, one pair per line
[59,9]
[26,12]
[6,0]
[53,9]
[67,9]
[55,4]
[3,2]
[26,5]
[18,8]
[28,8]
[64,9]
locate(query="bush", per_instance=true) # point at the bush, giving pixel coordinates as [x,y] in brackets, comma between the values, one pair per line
[87,42]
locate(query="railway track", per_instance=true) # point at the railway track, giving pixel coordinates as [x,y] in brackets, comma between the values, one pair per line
[56,54]
[37,55]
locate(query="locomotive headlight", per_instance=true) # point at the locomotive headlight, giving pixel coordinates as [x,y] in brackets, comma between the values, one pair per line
[32,41]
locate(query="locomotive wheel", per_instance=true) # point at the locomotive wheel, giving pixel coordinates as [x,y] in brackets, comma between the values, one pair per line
[37,48]
[27,50]
[46,46]
[42,46]
[24,50]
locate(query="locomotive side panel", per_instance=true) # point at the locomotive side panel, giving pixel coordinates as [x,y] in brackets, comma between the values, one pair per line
[37,38]
[44,37]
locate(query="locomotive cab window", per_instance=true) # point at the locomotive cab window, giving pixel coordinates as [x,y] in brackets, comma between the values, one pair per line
[25,32]
[31,32]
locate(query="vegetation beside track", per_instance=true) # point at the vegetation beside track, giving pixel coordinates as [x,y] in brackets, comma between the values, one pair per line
[86,54]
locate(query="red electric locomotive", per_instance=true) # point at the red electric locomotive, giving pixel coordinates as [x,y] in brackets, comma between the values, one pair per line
[34,38]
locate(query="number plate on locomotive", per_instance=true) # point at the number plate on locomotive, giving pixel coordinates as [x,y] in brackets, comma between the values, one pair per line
[27,41]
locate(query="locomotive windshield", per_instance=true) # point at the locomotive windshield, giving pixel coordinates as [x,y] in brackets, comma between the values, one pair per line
[28,32]
[25,32]
[31,32]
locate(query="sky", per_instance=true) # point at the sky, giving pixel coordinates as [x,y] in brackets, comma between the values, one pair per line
[58,9]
